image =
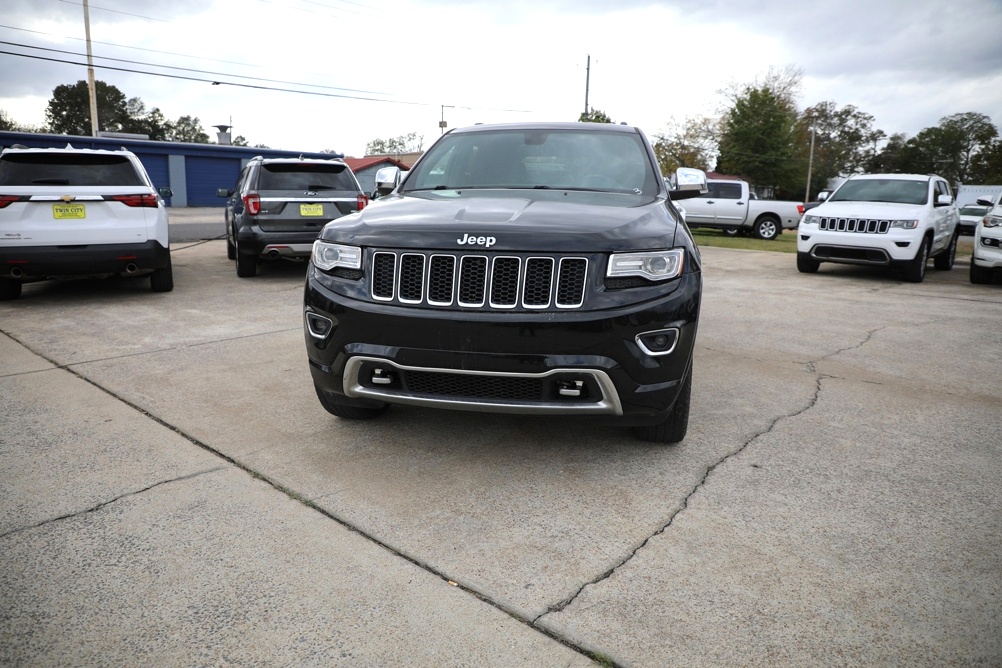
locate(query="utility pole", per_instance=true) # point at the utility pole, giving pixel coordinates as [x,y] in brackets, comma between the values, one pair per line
[587,82]
[442,125]
[810,165]
[91,84]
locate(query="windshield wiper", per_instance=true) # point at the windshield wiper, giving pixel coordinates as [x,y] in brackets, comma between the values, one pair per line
[53,182]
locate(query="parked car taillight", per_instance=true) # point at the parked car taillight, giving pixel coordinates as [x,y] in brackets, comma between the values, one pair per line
[134,200]
[363,199]
[252,201]
[7,200]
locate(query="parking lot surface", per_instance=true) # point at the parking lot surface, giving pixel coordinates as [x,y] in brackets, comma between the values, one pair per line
[174,494]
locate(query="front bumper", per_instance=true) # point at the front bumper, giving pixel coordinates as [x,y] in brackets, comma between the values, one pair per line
[988,250]
[893,247]
[571,362]
[37,262]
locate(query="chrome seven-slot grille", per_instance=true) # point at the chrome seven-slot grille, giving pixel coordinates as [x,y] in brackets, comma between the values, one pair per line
[864,225]
[479,280]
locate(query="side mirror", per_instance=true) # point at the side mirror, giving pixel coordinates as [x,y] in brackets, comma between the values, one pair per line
[944,200]
[387,179]
[686,183]
[165,192]
[985,201]
[823,195]
[223,192]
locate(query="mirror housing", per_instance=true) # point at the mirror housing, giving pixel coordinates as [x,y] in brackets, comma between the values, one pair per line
[985,201]
[686,183]
[223,192]
[944,200]
[823,196]
[387,178]
[165,192]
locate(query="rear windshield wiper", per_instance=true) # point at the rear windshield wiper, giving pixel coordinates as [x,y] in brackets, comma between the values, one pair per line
[52,182]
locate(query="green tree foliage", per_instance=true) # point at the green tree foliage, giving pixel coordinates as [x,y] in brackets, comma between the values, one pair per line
[188,129]
[408,143]
[758,139]
[691,143]
[140,121]
[594,116]
[963,148]
[68,111]
[845,142]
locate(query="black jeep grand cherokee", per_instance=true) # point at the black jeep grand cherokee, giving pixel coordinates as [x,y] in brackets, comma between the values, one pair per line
[531,268]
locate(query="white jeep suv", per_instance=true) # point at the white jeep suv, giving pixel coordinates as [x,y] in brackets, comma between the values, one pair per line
[79,212]
[987,256]
[890,220]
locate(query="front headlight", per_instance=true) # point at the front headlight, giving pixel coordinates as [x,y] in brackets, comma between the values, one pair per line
[809,220]
[992,221]
[654,265]
[905,224]
[327,256]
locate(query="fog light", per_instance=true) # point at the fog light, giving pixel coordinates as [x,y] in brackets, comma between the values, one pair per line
[318,325]
[661,342]
[570,388]
[382,377]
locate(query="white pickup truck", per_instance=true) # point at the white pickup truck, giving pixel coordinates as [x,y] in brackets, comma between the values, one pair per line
[730,206]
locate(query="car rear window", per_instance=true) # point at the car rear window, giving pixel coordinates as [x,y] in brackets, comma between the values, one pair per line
[67,169]
[293,176]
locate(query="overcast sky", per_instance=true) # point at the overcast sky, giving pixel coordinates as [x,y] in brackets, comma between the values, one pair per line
[384,68]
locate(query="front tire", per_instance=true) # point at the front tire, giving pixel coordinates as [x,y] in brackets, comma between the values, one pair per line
[915,272]
[980,275]
[343,410]
[9,289]
[766,228]
[807,264]
[675,426]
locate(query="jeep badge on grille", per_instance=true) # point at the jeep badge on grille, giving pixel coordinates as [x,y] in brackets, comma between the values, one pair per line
[469,240]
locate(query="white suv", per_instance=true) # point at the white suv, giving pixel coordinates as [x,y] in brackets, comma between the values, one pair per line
[987,256]
[79,212]
[890,220]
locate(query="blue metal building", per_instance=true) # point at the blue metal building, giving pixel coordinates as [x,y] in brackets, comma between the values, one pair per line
[193,171]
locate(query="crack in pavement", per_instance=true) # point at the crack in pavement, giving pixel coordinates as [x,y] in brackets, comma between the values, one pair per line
[154,351]
[101,505]
[308,503]
[810,367]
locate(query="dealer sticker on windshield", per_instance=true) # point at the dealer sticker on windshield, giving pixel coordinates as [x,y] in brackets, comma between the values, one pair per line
[68,211]
[311,209]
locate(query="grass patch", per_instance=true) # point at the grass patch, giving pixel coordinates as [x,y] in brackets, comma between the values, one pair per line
[784,243]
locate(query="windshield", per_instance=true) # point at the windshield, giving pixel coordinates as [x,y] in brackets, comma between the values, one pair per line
[974,211]
[898,191]
[564,159]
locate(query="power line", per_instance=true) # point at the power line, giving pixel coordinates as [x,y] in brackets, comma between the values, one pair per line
[215,83]
[116,11]
[188,69]
[135,48]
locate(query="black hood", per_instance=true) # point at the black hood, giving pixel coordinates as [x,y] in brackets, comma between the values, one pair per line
[516,221]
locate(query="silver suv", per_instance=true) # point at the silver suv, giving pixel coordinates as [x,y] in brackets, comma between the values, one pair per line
[80,212]
[279,205]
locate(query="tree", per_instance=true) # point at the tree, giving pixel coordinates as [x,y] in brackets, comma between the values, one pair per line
[151,123]
[758,139]
[845,142]
[986,166]
[188,129]
[9,124]
[408,143]
[68,111]
[690,143]
[594,116]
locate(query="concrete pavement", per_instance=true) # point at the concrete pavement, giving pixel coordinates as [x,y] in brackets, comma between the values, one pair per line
[174,494]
